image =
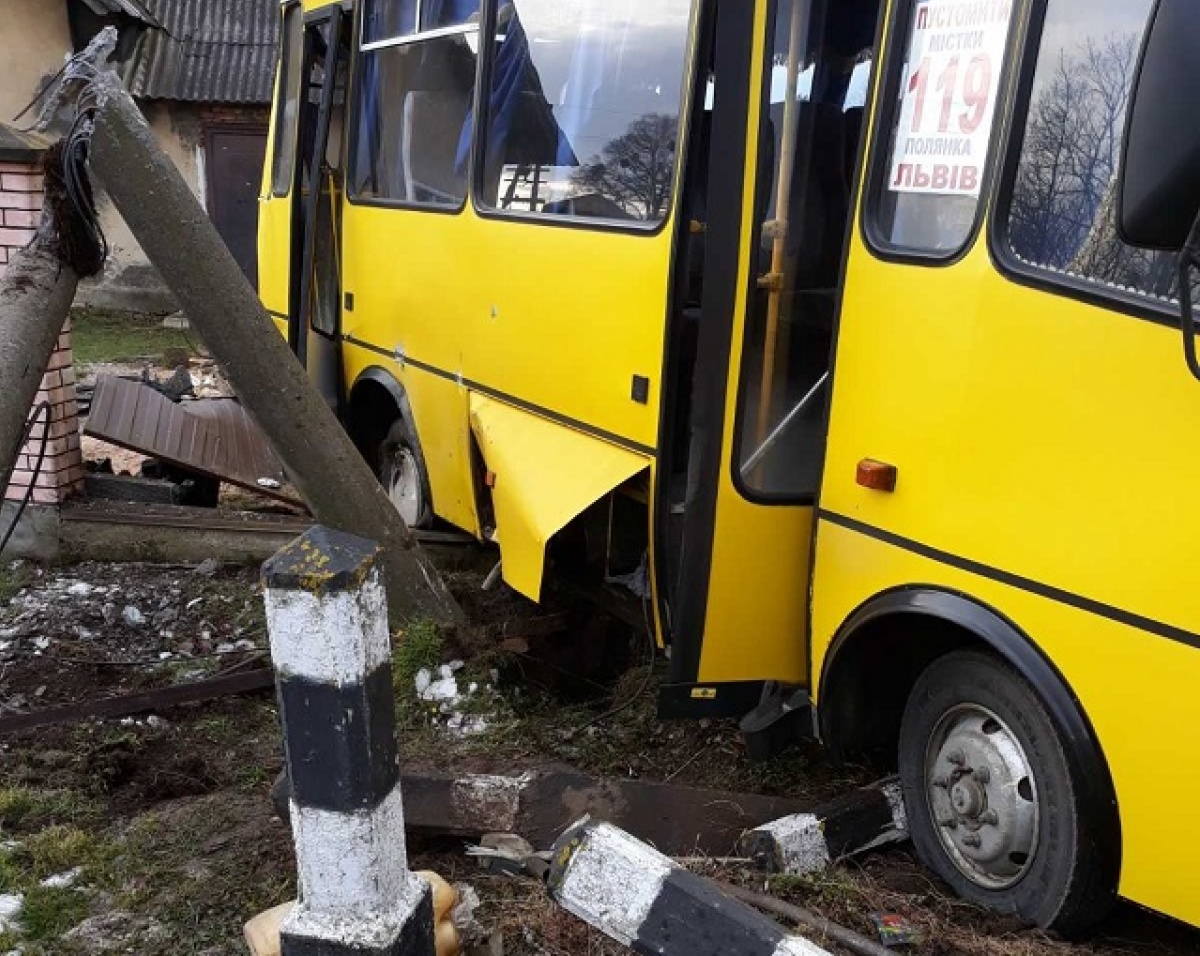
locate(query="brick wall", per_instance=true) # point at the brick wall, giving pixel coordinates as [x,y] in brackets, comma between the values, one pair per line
[61,472]
[20,205]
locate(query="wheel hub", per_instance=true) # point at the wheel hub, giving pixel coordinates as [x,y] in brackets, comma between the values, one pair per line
[983,796]
[404,485]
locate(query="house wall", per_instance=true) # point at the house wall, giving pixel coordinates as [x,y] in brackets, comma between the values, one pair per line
[129,281]
[34,43]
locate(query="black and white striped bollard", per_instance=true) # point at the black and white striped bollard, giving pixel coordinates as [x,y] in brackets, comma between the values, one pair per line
[803,843]
[644,900]
[327,618]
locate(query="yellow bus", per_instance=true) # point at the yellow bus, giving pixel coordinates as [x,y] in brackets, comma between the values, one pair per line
[805,328]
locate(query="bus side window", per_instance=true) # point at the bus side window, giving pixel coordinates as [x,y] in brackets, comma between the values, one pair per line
[1062,214]
[414,96]
[583,108]
[287,101]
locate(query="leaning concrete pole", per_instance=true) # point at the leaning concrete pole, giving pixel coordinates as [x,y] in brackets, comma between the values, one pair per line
[37,289]
[183,245]
[36,293]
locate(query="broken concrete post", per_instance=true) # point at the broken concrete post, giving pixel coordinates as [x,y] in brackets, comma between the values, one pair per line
[635,895]
[327,620]
[185,248]
[809,842]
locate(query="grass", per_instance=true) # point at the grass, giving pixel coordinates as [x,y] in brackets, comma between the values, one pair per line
[23,809]
[417,646]
[13,577]
[101,335]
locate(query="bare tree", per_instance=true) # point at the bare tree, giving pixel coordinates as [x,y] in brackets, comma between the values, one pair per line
[634,170]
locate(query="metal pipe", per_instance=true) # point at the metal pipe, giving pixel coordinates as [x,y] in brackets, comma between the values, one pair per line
[855,942]
[752,462]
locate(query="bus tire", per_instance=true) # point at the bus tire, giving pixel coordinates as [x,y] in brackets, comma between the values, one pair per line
[401,471]
[993,799]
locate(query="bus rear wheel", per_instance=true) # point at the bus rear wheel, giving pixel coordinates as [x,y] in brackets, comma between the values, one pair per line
[401,472]
[994,800]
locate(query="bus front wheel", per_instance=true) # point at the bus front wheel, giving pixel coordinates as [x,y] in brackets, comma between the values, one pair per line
[401,472]
[994,801]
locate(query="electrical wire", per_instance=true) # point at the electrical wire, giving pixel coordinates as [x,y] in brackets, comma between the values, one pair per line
[37,468]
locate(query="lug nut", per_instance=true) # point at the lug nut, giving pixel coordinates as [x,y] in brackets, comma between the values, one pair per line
[942,783]
[972,840]
[949,823]
[989,818]
[983,775]
[956,757]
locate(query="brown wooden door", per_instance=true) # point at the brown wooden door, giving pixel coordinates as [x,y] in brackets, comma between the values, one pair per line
[234,162]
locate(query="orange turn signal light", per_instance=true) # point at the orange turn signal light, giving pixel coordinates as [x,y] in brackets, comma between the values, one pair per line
[877,475]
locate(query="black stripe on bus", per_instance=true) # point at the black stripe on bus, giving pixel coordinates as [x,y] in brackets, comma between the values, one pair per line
[495,393]
[1077,601]
[277,315]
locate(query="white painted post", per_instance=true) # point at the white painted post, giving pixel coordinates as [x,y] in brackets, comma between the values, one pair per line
[809,842]
[327,618]
[644,900]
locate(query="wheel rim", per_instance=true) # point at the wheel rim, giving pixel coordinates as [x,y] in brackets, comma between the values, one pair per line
[404,485]
[982,796]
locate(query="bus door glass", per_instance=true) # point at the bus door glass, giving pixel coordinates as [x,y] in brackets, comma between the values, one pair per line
[316,294]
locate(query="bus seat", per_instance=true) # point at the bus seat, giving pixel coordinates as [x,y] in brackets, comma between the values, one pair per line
[428,156]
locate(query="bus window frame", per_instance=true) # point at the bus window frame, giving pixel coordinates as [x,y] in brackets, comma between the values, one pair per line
[1004,257]
[353,114]
[487,54]
[281,95]
[886,116]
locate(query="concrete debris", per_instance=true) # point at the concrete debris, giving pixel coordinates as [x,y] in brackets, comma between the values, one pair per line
[207,568]
[802,843]
[457,711]
[634,894]
[63,880]
[10,911]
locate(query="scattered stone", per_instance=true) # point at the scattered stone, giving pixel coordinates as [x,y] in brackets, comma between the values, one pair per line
[79,589]
[208,567]
[10,911]
[154,722]
[63,880]
[109,612]
[132,616]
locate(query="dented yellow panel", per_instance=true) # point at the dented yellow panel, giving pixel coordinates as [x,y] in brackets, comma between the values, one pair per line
[545,475]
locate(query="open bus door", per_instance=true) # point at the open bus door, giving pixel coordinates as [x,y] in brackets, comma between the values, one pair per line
[783,114]
[314,313]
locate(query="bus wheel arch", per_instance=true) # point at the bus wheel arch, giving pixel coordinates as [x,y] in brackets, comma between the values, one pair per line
[380,419]
[885,668]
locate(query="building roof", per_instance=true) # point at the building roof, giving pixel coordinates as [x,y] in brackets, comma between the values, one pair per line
[130,8]
[208,51]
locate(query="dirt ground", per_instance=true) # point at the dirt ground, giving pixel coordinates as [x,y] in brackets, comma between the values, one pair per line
[156,833]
